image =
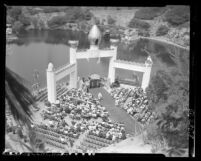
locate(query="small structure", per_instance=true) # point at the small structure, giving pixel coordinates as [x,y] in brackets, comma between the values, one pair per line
[9,29]
[95,81]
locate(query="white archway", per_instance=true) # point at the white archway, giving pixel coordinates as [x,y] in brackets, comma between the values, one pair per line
[93,52]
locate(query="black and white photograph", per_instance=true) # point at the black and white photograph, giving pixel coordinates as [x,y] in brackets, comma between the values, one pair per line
[95,79]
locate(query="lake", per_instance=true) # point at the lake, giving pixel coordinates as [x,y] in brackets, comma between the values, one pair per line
[35,49]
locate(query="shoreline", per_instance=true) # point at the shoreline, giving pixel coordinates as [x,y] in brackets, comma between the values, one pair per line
[154,38]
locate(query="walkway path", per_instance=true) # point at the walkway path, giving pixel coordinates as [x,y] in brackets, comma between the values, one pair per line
[116,113]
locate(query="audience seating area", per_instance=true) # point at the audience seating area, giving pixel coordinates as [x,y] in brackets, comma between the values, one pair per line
[135,102]
[81,107]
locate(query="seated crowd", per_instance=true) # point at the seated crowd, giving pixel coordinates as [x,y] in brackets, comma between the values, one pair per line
[135,102]
[108,130]
[81,107]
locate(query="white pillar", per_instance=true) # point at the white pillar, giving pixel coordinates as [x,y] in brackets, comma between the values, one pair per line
[73,49]
[111,72]
[147,73]
[73,79]
[73,60]
[51,84]
[146,78]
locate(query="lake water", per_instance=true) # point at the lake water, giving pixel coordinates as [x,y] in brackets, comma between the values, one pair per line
[35,49]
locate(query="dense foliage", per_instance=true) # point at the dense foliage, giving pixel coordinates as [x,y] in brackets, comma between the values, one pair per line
[136,23]
[110,20]
[143,33]
[149,13]
[178,15]
[168,93]
[162,30]
[57,21]
[25,16]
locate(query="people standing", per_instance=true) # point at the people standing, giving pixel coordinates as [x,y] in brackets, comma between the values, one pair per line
[100,96]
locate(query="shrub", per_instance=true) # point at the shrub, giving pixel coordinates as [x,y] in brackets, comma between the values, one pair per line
[143,33]
[17,26]
[49,9]
[110,20]
[150,12]
[178,15]
[47,103]
[57,21]
[97,21]
[162,30]
[24,20]
[135,23]
[77,13]
[14,12]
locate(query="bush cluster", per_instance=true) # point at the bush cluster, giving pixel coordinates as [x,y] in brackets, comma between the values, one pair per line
[150,13]
[57,21]
[178,15]
[162,30]
[135,23]
[110,20]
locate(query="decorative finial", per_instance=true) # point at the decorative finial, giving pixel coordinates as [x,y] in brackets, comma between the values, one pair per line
[50,67]
[149,61]
[94,35]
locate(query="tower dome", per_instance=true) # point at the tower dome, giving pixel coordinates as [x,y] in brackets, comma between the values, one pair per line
[94,35]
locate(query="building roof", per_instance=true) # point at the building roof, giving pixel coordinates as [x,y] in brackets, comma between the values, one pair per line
[94,33]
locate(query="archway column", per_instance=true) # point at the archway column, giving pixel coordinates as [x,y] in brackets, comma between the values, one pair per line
[73,60]
[73,78]
[51,84]
[146,78]
[111,72]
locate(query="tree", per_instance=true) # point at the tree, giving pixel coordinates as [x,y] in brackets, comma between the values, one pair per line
[26,21]
[18,97]
[178,15]
[149,13]
[136,23]
[110,20]
[162,30]
[9,19]
[97,21]
[19,101]
[57,21]
[14,12]
[17,26]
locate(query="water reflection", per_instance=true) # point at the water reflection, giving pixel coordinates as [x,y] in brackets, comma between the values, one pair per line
[35,49]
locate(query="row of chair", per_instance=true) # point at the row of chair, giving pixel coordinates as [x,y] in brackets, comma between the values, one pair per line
[100,139]
[52,138]
[54,132]
[55,144]
[89,146]
[92,141]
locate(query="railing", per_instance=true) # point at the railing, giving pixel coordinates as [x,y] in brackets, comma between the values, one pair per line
[62,68]
[84,50]
[130,62]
